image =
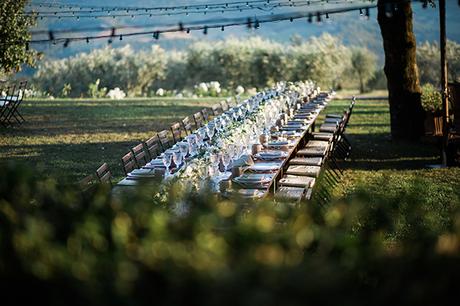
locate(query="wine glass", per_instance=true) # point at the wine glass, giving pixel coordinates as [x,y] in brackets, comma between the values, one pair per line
[177,158]
[231,149]
[201,135]
[184,148]
[167,158]
[218,124]
[210,131]
[226,159]
[214,159]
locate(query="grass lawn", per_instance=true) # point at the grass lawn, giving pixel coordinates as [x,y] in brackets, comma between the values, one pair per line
[388,173]
[71,138]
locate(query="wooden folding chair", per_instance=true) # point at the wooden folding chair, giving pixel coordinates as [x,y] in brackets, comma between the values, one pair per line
[163,139]
[104,175]
[152,147]
[139,155]
[128,162]
[224,105]
[176,132]
[187,125]
[205,113]
[10,105]
[18,97]
[6,104]
[231,103]
[87,183]
[216,110]
[199,120]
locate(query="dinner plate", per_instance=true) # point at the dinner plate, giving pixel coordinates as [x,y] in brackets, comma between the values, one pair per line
[297,181]
[254,178]
[271,154]
[265,167]
[251,193]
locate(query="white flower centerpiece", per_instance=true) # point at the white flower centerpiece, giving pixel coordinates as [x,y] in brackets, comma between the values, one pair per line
[236,130]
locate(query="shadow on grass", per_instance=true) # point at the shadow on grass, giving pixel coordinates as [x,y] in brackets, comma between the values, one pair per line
[376,151]
[70,162]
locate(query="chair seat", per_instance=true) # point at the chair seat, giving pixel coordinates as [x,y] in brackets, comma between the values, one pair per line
[308,194]
[301,170]
[328,128]
[307,161]
[297,181]
[323,136]
[333,120]
[313,152]
[290,193]
[334,116]
[317,144]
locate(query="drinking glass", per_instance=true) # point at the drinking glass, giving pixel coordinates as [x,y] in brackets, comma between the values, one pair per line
[226,160]
[184,148]
[214,159]
[210,131]
[167,158]
[177,158]
[218,124]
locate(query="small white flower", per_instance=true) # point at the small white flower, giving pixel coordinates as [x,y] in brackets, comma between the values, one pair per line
[240,89]
[160,92]
[116,94]
[203,87]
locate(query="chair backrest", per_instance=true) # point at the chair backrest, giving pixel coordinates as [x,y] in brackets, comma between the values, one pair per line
[164,140]
[21,90]
[216,109]
[86,183]
[104,175]
[176,132]
[224,105]
[187,125]
[199,120]
[205,113]
[128,162]
[454,99]
[139,155]
[153,147]
[9,91]
[231,102]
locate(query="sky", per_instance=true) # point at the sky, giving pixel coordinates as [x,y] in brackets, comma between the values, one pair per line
[351,27]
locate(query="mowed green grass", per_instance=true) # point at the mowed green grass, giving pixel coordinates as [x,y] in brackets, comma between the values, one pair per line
[71,138]
[384,171]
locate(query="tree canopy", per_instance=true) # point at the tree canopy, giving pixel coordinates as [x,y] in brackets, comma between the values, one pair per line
[14,26]
[363,63]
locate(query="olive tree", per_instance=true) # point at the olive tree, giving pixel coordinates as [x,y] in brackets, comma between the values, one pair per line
[363,63]
[14,26]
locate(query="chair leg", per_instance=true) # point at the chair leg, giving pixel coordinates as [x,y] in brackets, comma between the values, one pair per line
[335,165]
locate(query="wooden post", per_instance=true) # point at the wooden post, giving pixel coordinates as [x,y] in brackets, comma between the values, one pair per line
[444,86]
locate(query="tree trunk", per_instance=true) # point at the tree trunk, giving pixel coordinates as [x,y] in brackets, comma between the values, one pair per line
[407,114]
[361,84]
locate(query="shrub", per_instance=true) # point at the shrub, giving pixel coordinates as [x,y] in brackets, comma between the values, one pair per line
[431,98]
[252,62]
[132,249]
[428,59]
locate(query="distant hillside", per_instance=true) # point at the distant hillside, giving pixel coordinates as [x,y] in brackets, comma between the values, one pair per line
[349,26]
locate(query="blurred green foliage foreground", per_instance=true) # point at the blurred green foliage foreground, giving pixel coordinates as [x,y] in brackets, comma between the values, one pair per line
[59,247]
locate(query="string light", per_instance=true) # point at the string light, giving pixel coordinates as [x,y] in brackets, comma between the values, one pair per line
[217,8]
[196,25]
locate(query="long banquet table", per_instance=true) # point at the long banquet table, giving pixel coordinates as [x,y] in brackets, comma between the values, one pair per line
[267,111]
